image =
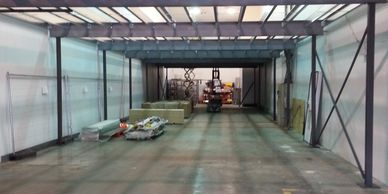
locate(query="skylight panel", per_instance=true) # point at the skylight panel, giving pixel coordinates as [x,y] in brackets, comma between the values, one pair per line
[256,13]
[261,37]
[201,14]
[24,8]
[113,14]
[48,17]
[278,14]
[344,11]
[94,14]
[69,17]
[245,37]
[313,12]
[178,14]
[81,16]
[173,38]
[127,14]
[137,38]
[102,39]
[3,8]
[153,14]
[209,38]
[48,8]
[228,13]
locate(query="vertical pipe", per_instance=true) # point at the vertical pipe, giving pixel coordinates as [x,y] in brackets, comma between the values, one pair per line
[265,88]
[105,84]
[313,91]
[274,89]
[130,82]
[59,89]
[368,181]
[158,77]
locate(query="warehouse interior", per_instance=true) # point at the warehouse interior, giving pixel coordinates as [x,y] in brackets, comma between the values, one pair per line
[300,109]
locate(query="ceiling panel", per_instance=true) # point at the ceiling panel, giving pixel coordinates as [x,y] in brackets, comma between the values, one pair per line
[127,14]
[173,38]
[48,8]
[228,13]
[69,17]
[178,14]
[24,8]
[102,39]
[82,17]
[344,11]
[201,14]
[278,14]
[261,37]
[48,17]
[245,37]
[313,12]
[148,14]
[113,14]
[94,14]
[256,13]
[24,17]
[209,38]
[137,38]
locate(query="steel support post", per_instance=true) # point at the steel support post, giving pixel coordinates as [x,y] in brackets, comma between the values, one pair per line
[369,93]
[313,91]
[274,90]
[255,89]
[59,90]
[167,88]
[130,82]
[158,77]
[288,82]
[105,84]
[146,79]
[265,87]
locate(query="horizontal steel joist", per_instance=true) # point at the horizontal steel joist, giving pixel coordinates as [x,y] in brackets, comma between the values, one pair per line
[294,28]
[139,3]
[202,54]
[197,45]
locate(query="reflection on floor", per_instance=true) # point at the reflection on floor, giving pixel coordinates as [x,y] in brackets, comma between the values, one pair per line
[236,151]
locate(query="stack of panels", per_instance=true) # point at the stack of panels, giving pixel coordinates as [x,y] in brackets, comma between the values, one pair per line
[175,116]
[185,105]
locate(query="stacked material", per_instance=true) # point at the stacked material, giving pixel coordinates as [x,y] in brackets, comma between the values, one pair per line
[185,105]
[146,129]
[175,116]
[101,131]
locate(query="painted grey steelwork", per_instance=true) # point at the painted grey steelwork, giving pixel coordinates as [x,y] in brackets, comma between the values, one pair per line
[140,3]
[230,29]
[369,94]
[203,54]
[342,122]
[274,90]
[313,141]
[130,81]
[59,90]
[151,45]
[104,72]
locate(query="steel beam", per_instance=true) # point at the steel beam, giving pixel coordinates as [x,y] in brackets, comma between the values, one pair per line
[130,82]
[204,45]
[59,90]
[195,61]
[369,93]
[313,92]
[267,54]
[105,85]
[272,28]
[142,3]
[274,90]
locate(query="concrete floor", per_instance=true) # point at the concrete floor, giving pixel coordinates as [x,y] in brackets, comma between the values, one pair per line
[229,152]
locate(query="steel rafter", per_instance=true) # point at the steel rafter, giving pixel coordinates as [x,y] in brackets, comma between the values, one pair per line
[141,3]
[205,45]
[230,29]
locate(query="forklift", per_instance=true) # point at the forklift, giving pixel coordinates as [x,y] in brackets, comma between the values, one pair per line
[215,98]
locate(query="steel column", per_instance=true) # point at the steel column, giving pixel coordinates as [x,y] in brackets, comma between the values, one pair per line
[146,79]
[59,90]
[167,84]
[105,84]
[313,92]
[158,77]
[369,93]
[130,82]
[254,87]
[274,89]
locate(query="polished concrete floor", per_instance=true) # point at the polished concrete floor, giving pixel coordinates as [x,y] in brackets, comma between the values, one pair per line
[236,151]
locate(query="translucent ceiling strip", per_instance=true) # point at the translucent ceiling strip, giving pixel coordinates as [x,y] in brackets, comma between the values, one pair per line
[81,17]
[153,14]
[159,38]
[137,38]
[24,17]
[48,17]
[228,13]
[165,14]
[209,38]
[261,37]
[24,8]
[312,12]
[201,14]
[256,13]
[245,37]
[127,14]
[173,38]
[48,8]
[278,14]
[178,14]
[94,14]
[102,39]
[344,11]
[69,17]
[113,14]
[3,8]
